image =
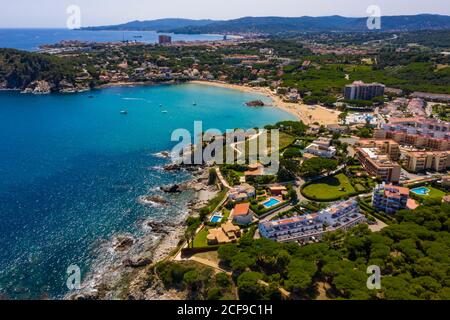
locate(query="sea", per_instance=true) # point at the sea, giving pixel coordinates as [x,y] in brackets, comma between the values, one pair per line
[73,167]
[31,39]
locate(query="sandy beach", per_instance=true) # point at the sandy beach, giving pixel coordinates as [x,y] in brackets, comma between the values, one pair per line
[308,114]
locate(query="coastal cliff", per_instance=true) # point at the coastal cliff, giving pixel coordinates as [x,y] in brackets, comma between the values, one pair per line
[128,270]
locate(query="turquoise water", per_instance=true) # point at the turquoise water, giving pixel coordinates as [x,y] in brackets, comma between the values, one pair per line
[216,219]
[270,203]
[31,39]
[421,191]
[72,168]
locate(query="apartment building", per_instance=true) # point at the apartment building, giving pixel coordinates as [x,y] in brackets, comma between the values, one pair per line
[359,90]
[164,39]
[427,160]
[341,216]
[377,163]
[387,146]
[390,199]
[419,132]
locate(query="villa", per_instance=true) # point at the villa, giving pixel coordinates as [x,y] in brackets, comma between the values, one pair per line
[341,216]
[242,192]
[321,148]
[390,199]
[227,233]
[241,214]
[278,190]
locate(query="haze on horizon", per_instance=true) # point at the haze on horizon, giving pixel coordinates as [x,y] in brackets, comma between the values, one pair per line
[52,13]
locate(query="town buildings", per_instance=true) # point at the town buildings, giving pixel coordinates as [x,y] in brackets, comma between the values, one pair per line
[359,90]
[390,199]
[417,161]
[321,148]
[341,216]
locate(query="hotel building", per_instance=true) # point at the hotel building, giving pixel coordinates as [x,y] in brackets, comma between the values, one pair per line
[377,163]
[359,90]
[341,216]
[427,160]
[390,199]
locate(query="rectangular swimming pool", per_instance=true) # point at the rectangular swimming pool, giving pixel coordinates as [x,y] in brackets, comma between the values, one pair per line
[216,219]
[271,203]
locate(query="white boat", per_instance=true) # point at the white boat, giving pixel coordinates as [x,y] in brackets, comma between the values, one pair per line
[164,111]
[124,112]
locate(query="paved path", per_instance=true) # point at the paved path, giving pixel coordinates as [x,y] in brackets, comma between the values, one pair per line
[222,180]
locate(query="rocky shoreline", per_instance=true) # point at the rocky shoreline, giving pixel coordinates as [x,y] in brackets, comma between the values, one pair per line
[126,276]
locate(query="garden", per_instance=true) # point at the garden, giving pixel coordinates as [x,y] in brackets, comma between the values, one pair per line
[330,189]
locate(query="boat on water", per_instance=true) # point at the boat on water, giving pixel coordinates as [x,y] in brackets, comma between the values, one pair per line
[124,112]
[164,111]
[194,103]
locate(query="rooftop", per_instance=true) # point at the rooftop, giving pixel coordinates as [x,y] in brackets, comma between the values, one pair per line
[241,209]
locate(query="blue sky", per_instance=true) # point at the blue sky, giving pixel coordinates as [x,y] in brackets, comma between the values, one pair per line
[52,13]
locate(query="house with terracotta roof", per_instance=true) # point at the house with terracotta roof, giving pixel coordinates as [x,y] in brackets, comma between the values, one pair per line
[227,233]
[241,214]
[390,199]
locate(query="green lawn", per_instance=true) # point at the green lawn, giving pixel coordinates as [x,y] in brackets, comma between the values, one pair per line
[200,240]
[329,189]
[434,193]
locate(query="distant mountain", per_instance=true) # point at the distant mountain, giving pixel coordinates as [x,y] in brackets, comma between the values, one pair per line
[155,25]
[282,25]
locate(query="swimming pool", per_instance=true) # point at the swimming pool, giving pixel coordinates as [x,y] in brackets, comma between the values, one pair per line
[216,219]
[421,191]
[271,202]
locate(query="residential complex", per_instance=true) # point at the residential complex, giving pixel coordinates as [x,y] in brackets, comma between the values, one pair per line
[321,148]
[418,132]
[341,216]
[417,161]
[377,163]
[359,90]
[390,199]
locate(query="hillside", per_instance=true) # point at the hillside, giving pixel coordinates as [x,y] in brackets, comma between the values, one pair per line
[154,25]
[283,25]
